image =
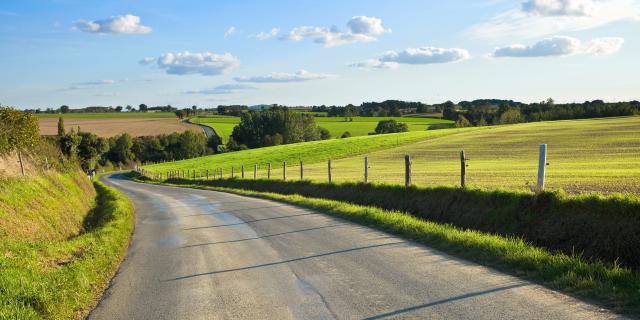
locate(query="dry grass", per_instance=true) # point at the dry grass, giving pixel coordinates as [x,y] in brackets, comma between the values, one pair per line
[115,126]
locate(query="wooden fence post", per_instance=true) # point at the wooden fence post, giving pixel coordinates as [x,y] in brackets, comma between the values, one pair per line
[255,171]
[231,173]
[542,166]
[463,169]
[366,169]
[329,170]
[301,170]
[207,174]
[221,172]
[21,164]
[284,170]
[242,171]
[407,170]
[268,170]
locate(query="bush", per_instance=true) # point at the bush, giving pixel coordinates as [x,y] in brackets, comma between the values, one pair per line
[257,128]
[346,134]
[324,133]
[391,126]
[18,130]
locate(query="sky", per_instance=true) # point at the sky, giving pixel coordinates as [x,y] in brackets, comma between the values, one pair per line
[207,53]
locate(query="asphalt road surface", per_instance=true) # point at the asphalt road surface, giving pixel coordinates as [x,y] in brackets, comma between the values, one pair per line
[199,254]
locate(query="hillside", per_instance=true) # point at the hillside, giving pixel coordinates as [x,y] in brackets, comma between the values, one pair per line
[584,155]
[309,152]
[360,126]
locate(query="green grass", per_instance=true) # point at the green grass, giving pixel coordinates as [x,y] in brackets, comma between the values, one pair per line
[360,126]
[63,278]
[109,115]
[309,152]
[607,283]
[593,155]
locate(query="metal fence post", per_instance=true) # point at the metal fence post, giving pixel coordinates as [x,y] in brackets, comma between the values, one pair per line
[255,171]
[301,170]
[268,170]
[366,169]
[284,170]
[542,166]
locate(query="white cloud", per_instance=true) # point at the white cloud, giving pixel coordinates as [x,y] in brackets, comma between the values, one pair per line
[533,19]
[560,46]
[206,63]
[117,24]
[299,76]
[229,31]
[359,29]
[604,46]
[223,89]
[422,55]
[267,35]
[559,7]
[147,60]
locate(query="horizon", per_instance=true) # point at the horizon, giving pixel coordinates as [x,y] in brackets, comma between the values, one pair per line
[306,53]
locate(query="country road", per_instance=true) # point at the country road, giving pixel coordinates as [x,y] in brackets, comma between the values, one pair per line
[199,254]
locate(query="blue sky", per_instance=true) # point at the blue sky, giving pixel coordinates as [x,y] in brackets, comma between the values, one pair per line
[84,53]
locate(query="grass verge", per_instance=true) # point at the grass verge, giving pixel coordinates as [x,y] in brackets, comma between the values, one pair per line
[63,279]
[608,284]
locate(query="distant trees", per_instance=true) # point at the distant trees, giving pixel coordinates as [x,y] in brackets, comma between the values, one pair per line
[64,109]
[391,126]
[143,107]
[274,126]
[462,122]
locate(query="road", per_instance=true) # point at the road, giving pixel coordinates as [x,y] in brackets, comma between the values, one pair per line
[199,254]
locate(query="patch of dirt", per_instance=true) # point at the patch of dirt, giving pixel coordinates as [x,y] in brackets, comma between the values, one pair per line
[114,127]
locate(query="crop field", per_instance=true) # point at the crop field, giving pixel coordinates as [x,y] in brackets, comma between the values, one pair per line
[108,127]
[108,115]
[595,155]
[360,126]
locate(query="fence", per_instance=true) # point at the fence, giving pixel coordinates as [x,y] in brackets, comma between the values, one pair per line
[388,172]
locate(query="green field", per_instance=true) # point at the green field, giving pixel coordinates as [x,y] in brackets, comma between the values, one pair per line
[599,155]
[360,126]
[108,115]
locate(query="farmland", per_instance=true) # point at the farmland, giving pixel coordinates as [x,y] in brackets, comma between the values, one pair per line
[108,115]
[112,126]
[595,155]
[360,126]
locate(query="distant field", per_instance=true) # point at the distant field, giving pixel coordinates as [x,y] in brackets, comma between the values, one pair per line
[108,115]
[360,126]
[595,155]
[109,127]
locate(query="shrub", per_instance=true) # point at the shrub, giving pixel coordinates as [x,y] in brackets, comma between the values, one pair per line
[391,126]
[18,130]
[346,134]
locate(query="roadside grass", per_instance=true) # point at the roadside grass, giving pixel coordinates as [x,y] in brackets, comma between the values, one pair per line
[107,115]
[360,126]
[606,283]
[63,278]
[309,152]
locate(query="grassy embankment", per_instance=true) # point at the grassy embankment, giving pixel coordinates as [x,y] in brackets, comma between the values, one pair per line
[488,227]
[594,155]
[360,126]
[309,152]
[108,115]
[61,240]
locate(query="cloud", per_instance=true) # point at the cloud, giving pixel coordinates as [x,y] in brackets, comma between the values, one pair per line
[147,60]
[559,7]
[89,84]
[206,63]
[422,55]
[223,89]
[278,77]
[537,18]
[359,29]
[560,46]
[267,35]
[229,31]
[115,24]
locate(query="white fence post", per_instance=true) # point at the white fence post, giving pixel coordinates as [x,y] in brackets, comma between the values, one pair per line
[542,166]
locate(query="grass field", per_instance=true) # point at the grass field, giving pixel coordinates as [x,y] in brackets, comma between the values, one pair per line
[108,115]
[594,155]
[360,126]
[309,152]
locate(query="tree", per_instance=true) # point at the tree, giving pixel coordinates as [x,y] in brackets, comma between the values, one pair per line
[90,149]
[61,131]
[121,150]
[512,115]
[18,130]
[69,143]
[129,108]
[143,108]
[324,133]
[449,111]
[391,126]
[119,109]
[214,143]
[462,122]
[64,109]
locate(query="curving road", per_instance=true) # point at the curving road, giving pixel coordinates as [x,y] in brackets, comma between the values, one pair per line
[199,254]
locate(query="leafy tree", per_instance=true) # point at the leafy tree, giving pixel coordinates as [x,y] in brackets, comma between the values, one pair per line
[391,126]
[214,143]
[64,109]
[449,111]
[18,130]
[119,109]
[462,122]
[257,129]
[512,115]
[90,149]
[129,108]
[121,150]
[69,143]
[143,108]
[61,131]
